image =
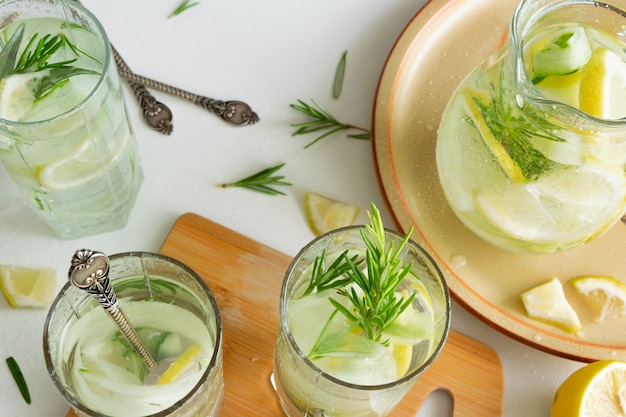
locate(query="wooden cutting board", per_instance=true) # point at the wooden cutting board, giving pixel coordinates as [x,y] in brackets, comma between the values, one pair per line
[245,277]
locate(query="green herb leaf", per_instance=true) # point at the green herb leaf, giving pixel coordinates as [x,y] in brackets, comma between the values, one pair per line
[514,132]
[184,5]
[19,378]
[262,181]
[378,304]
[340,73]
[323,121]
[8,55]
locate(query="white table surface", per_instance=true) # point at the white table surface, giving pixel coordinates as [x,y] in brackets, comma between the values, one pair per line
[268,53]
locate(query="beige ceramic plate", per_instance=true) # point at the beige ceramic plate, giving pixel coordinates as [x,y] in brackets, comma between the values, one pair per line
[436,50]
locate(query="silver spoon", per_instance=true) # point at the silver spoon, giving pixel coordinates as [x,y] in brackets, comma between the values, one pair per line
[89,271]
[157,115]
[234,112]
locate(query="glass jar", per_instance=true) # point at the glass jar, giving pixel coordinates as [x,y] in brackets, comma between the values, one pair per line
[531,147]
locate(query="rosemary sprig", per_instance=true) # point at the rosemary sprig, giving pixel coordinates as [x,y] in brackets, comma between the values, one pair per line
[340,73]
[19,378]
[377,304]
[262,181]
[36,57]
[184,5]
[323,120]
[324,278]
[514,133]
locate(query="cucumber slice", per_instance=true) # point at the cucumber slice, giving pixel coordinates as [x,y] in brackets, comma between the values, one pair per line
[567,52]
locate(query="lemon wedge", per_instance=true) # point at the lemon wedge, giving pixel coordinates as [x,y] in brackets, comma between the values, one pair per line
[403,355]
[595,390]
[324,214]
[606,296]
[547,303]
[603,85]
[27,287]
[180,365]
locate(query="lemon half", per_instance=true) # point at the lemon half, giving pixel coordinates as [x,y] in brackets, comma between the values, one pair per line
[595,390]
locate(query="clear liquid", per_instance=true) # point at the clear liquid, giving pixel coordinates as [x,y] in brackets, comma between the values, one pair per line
[107,377]
[76,166]
[541,219]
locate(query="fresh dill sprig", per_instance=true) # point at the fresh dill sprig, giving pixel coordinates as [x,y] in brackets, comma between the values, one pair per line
[340,73]
[184,5]
[377,303]
[514,133]
[323,120]
[262,181]
[36,57]
[16,372]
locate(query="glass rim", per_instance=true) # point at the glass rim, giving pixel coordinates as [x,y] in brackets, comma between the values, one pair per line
[105,65]
[519,27]
[379,387]
[215,357]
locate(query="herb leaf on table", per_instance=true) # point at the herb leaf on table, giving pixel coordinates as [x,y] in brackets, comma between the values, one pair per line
[262,181]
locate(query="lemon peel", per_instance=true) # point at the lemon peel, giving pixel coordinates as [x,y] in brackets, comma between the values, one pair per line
[547,303]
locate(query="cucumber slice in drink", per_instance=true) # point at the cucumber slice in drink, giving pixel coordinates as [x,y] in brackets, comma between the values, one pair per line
[565,52]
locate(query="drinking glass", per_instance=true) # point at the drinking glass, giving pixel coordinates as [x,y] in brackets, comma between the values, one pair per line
[531,148]
[71,150]
[372,381]
[173,312]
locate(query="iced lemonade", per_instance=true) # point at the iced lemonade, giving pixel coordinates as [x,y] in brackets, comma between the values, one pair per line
[65,138]
[109,377]
[332,359]
[548,177]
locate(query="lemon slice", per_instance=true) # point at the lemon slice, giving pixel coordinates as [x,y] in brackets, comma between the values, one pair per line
[508,165]
[180,365]
[603,85]
[561,209]
[79,165]
[547,303]
[416,322]
[16,95]
[605,295]
[562,88]
[324,214]
[28,287]
[595,390]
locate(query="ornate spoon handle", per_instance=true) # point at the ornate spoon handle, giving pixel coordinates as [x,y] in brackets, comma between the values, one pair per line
[157,115]
[234,112]
[89,271]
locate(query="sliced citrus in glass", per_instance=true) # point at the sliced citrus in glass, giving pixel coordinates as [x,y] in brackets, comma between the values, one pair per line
[504,160]
[28,287]
[180,365]
[595,390]
[547,303]
[324,214]
[563,208]
[606,296]
[603,85]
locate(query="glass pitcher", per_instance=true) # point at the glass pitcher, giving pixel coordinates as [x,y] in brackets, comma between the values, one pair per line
[531,147]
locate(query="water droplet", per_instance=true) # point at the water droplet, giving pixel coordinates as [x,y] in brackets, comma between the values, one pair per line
[537,338]
[457,260]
